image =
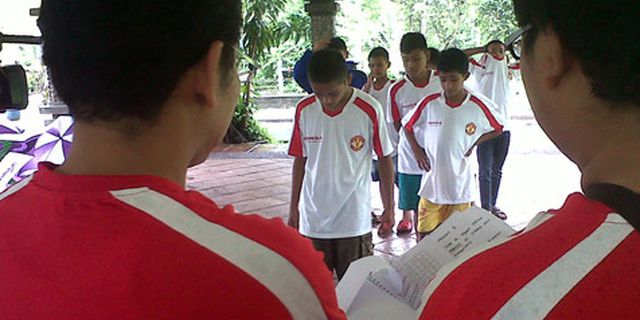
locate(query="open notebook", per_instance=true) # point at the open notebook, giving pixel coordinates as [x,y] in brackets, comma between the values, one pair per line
[373,288]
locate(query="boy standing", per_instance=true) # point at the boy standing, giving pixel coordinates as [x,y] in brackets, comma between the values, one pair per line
[378,87]
[358,78]
[336,131]
[404,95]
[442,132]
[492,77]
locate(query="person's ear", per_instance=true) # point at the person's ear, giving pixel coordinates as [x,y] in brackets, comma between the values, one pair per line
[207,76]
[554,58]
[466,75]
[388,64]
[349,78]
[427,54]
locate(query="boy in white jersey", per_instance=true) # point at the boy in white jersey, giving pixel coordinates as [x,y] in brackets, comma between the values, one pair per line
[377,86]
[443,131]
[336,131]
[492,76]
[404,95]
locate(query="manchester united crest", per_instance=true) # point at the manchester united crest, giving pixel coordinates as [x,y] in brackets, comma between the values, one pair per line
[470,128]
[357,143]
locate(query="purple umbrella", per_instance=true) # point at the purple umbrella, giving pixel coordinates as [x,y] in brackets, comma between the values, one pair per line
[16,154]
[54,143]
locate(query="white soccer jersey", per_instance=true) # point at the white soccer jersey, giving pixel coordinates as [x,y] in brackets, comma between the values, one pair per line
[492,79]
[381,96]
[403,98]
[335,197]
[447,132]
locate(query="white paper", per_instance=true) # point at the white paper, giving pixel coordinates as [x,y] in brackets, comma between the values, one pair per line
[406,278]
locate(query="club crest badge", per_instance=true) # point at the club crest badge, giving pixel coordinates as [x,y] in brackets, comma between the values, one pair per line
[357,143]
[471,128]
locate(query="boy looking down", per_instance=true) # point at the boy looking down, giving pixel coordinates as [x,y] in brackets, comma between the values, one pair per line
[336,130]
[443,132]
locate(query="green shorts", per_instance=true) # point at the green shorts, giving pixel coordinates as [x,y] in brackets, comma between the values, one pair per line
[409,185]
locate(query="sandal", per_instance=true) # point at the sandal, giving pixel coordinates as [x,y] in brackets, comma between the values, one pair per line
[498,213]
[405,226]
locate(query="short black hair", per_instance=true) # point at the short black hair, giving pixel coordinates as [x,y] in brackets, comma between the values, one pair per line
[494,41]
[121,59]
[379,52]
[453,60]
[337,43]
[599,34]
[435,54]
[326,66]
[413,41]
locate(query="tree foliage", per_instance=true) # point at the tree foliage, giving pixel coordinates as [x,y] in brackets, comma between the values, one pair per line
[267,25]
[495,19]
[275,33]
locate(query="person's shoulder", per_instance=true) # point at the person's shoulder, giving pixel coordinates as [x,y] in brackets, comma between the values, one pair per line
[482,102]
[430,99]
[306,102]
[14,189]
[366,98]
[396,86]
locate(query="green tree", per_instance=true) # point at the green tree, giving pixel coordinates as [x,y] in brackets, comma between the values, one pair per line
[266,25]
[495,19]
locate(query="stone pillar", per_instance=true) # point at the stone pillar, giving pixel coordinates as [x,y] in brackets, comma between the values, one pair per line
[323,18]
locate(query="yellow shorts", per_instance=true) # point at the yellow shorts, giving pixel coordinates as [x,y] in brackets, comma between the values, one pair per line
[431,215]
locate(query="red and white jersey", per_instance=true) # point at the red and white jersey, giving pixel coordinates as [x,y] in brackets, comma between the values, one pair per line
[492,79]
[335,197]
[447,132]
[578,262]
[381,96]
[403,99]
[141,247]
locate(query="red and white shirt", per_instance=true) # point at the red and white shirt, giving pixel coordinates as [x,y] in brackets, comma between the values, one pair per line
[492,79]
[381,96]
[447,132]
[403,99]
[335,197]
[578,262]
[141,247]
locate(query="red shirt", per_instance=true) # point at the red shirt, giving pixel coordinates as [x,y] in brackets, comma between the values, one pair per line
[578,262]
[140,247]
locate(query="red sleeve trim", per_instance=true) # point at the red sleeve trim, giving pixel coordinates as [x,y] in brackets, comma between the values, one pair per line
[492,120]
[421,106]
[373,115]
[395,109]
[295,146]
[515,66]
[476,63]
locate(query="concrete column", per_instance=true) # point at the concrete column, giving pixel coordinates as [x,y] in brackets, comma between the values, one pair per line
[323,18]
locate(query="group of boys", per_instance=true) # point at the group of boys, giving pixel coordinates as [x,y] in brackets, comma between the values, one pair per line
[427,125]
[112,232]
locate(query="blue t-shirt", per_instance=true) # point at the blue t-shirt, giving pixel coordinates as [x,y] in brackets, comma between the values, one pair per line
[358,78]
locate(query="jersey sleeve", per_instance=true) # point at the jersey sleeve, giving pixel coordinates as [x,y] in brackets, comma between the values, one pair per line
[488,121]
[296,143]
[386,147]
[392,113]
